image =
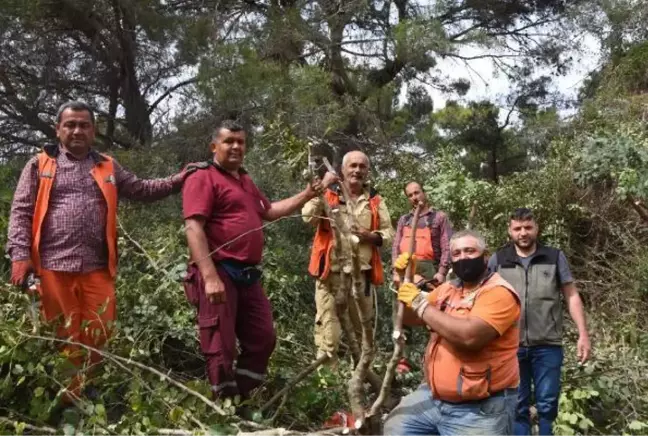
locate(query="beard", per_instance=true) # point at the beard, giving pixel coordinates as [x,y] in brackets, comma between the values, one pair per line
[526,243]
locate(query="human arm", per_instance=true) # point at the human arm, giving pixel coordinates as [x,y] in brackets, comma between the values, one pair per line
[470,333]
[575,307]
[577,313]
[312,210]
[397,239]
[396,248]
[445,232]
[19,237]
[197,205]
[287,206]
[383,234]
[199,249]
[132,187]
[494,311]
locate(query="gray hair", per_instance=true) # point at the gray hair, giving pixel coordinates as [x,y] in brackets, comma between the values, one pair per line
[345,158]
[481,242]
[75,105]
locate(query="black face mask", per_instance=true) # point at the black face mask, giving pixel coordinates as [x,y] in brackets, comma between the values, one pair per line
[469,270]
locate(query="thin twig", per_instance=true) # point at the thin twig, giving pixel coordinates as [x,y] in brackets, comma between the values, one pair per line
[114,357]
[283,403]
[138,245]
[231,241]
[299,377]
[17,424]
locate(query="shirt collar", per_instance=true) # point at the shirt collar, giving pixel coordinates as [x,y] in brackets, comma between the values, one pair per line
[218,166]
[92,154]
[458,283]
[365,195]
[429,211]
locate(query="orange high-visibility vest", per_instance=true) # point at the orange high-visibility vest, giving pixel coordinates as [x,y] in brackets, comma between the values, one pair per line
[423,247]
[103,174]
[455,375]
[320,260]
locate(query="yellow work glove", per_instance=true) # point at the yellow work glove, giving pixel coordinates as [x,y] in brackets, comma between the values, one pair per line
[413,298]
[402,261]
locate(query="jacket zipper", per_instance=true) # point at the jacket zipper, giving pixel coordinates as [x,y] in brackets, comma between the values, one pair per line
[526,305]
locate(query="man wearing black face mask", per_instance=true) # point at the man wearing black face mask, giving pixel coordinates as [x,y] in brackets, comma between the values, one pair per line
[471,368]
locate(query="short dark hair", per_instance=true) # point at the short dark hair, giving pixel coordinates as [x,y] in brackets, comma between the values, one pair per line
[231,125]
[75,105]
[522,214]
[409,183]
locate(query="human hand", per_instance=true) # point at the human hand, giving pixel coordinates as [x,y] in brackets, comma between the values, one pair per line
[191,168]
[215,290]
[19,271]
[403,260]
[365,236]
[439,278]
[583,348]
[329,179]
[407,293]
[396,279]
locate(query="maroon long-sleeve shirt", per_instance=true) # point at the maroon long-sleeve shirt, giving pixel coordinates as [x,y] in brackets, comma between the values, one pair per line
[74,229]
[441,233]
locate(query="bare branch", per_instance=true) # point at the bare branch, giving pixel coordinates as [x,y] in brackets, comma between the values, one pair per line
[171,91]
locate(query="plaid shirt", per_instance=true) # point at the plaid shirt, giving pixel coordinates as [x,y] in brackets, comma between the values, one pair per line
[74,230]
[441,233]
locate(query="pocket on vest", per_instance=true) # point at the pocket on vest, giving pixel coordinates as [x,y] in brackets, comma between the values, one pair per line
[473,383]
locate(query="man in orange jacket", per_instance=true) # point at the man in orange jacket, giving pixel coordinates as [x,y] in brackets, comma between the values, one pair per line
[333,289]
[63,227]
[471,369]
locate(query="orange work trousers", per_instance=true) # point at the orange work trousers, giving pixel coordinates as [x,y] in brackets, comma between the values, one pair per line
[83,305]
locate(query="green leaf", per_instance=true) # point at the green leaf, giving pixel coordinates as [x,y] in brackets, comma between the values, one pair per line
[585,423]
[637,425]
[39,391]
[100,410]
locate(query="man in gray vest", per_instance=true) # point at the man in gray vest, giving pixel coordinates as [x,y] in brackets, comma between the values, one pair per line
[539,273]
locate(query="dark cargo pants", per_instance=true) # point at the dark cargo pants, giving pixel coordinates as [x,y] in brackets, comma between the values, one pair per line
[247,315]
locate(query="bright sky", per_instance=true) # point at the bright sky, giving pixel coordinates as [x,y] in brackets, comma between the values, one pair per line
[486,84]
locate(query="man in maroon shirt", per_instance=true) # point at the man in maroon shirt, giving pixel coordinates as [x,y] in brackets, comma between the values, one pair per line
[224,212]
[63,227]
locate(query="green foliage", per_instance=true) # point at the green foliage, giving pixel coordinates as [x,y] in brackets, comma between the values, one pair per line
[619,157]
